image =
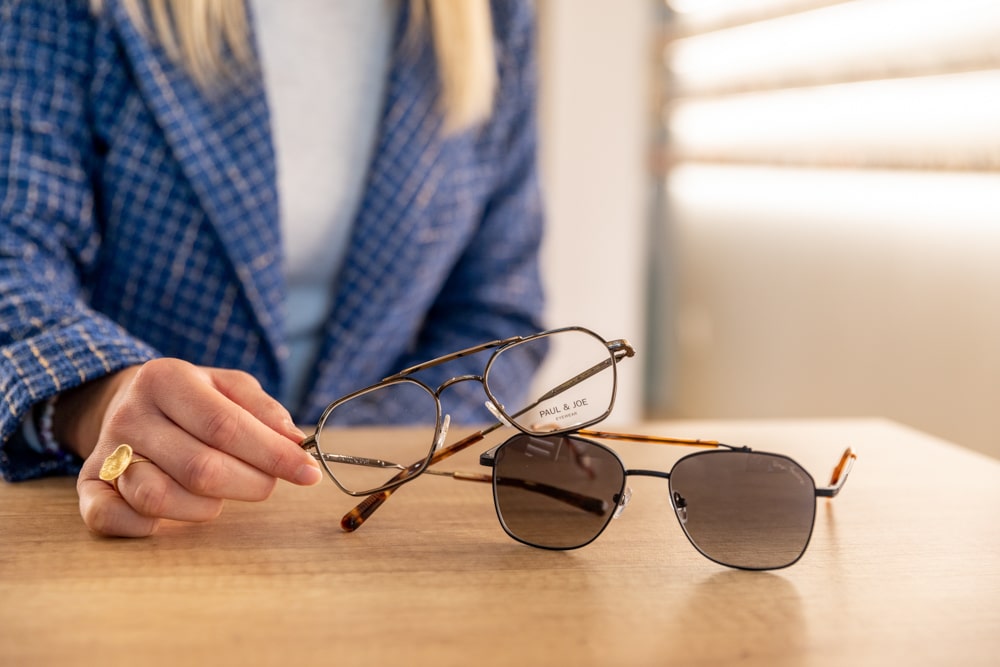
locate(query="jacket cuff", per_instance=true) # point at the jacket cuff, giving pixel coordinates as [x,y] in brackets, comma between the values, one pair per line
[19,460]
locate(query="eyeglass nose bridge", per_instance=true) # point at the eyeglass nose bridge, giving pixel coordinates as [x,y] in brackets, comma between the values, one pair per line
[466,378]
[460,378]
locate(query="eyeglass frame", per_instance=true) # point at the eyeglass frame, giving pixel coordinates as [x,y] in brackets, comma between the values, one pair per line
[618,349]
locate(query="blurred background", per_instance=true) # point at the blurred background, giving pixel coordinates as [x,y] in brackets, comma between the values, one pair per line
[790,207]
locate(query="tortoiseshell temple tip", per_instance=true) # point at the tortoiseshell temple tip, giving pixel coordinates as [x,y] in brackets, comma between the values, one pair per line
[357,516]
[844,467]
[350,522]
[839,475]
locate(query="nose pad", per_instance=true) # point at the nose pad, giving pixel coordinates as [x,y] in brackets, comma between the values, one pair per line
[622,502]
[444,432]
[680,507]
[498,415]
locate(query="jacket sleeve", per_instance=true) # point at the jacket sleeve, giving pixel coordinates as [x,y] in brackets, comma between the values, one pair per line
[495,289]
[50,340]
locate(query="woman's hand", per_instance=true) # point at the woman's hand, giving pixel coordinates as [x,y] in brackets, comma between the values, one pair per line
[209,434]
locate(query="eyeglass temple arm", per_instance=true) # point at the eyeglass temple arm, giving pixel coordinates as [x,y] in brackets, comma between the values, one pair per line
[652,439]
[837,479]
[352,520]
[589,504]
[486,458]
[310,442]
[620,349]
[839,476]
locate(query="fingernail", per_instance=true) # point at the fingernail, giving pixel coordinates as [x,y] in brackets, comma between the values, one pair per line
[307,475]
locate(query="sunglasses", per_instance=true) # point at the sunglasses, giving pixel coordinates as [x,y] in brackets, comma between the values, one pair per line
[740,508]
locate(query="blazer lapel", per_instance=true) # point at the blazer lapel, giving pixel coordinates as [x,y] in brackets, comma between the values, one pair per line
[224,148]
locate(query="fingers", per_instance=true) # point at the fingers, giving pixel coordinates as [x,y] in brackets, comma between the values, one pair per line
[142,496]
[212,417]
[200,469]
[244,390]
[106,513]
[165,487]
[208,435]
[153,493]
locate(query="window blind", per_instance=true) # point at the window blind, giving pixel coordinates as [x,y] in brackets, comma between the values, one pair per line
[830,176]
[900,84]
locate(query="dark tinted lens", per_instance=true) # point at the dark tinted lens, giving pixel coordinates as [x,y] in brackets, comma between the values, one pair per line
[745,509]
[578,390]
[557,492]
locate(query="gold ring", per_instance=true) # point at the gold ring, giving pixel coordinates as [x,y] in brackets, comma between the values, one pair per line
[118,462]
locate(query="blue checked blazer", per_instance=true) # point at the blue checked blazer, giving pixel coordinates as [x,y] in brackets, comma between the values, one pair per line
[139,218]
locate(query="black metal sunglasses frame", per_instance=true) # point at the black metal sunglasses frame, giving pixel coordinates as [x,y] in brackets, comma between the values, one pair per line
[621,498]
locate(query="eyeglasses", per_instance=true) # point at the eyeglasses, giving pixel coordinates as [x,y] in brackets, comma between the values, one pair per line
[740,508]
[356,447]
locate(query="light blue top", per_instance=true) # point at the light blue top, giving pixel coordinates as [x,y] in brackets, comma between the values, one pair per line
[325,64]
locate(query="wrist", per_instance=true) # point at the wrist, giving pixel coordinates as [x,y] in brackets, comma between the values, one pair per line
[77,422]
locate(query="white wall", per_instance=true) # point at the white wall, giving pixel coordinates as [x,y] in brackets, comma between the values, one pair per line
[594,69]
[826,293]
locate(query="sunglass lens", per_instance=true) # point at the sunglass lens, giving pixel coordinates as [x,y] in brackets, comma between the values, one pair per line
[556,492]
[746,510]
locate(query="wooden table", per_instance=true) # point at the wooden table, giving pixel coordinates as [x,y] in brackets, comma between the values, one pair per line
[903,568]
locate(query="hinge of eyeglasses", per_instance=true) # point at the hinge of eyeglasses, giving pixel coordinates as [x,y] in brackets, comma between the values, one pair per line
[621,348]
[488,458]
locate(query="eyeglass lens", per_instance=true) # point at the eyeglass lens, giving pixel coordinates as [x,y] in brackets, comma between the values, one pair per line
[582,392]
[363,448]
[369,438]
[746,510]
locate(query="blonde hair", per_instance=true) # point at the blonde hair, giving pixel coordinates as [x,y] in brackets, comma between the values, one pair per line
[197,34]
